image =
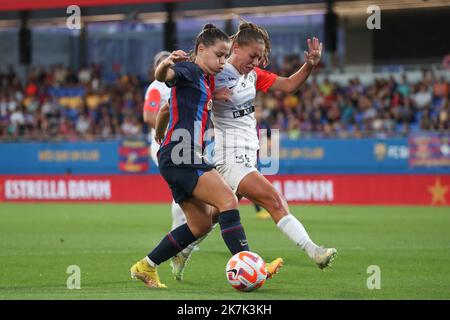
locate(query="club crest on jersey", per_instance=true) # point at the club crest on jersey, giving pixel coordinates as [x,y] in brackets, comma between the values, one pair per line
[209,105]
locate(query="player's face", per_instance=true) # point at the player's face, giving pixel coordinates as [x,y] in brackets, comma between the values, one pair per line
[248,56]
[214,56]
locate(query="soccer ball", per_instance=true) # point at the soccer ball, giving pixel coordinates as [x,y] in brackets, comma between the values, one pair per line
[246,271]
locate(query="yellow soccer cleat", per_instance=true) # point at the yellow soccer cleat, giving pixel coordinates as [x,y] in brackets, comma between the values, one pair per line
[263,215]
[149,275]
[273,267]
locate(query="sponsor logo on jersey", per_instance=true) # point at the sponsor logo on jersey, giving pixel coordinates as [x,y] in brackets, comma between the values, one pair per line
[243,112]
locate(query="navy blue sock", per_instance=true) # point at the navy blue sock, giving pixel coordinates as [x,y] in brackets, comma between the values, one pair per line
[232,231]
[175,241]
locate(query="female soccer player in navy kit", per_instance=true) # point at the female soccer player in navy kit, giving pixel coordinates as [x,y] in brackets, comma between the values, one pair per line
[194,183]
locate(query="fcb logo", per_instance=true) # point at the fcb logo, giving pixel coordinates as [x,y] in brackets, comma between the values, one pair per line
[209,105]
[133,155]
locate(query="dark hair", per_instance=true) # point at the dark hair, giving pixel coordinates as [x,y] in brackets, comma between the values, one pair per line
[209,35]
[249,32]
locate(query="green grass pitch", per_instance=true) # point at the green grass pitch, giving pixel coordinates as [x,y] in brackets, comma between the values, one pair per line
[411,245]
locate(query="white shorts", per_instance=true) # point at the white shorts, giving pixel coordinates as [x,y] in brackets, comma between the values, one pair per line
[236,166]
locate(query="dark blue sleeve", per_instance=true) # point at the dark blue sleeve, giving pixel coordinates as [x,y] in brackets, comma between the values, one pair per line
[184,73]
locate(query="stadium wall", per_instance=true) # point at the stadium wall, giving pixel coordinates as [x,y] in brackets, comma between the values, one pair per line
[416,154]
[307,189]
[401,171]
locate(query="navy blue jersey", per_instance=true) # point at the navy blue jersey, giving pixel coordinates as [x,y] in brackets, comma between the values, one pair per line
[190,106]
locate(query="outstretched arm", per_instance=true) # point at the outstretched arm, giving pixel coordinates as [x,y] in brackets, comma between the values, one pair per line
[295,81]
[163,72]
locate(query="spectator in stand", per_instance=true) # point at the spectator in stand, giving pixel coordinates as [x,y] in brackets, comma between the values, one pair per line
[36,109]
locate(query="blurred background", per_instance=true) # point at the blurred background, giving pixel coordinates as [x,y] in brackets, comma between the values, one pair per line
[375,110]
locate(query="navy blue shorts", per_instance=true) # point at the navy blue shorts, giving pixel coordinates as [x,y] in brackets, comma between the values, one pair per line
[182,179]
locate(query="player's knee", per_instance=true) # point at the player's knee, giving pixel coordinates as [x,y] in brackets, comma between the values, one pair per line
[214,215]
[200,229]
[204,229]
[274,200]
[229,202]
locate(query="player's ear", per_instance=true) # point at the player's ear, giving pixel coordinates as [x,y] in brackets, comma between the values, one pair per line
[201,48]
[235,48]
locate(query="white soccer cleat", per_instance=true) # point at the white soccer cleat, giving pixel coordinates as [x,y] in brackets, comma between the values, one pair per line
[178,264]
[324,256]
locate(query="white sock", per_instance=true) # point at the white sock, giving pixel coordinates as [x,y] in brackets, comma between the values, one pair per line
[178,217]
[150,262]
[186,252]
[295,231]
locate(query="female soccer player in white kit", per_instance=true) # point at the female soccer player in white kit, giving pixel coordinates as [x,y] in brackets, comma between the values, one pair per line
[236,139]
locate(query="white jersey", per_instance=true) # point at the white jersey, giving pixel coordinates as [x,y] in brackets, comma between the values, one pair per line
[234,121]
[157,95]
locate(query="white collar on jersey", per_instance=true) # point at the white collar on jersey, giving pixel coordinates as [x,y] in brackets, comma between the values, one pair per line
[236,71]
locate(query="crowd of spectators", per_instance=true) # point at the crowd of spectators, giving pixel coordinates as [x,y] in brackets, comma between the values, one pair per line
[39,108]
[58,103]
[385,107]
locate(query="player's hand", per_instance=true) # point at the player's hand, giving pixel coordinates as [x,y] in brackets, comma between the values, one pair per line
[159,138]
[312,57]
[222,94]
[175,57]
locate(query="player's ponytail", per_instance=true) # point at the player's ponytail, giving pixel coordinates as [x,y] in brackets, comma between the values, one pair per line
[209,35]
[249,32]
[208,26]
